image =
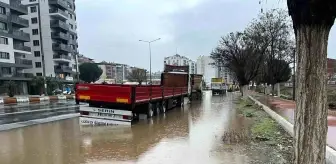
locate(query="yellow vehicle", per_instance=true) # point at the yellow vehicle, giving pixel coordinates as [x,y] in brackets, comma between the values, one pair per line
[218,86]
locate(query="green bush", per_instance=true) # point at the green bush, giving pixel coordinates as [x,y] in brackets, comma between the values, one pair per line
[11,88]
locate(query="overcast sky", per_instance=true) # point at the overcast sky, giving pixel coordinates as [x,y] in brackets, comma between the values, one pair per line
[110,29]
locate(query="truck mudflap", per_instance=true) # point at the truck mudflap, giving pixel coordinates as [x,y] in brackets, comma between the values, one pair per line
[104,116]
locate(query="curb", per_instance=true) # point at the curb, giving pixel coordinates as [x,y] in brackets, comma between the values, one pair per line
[15,100]
[330,153]
[37,121]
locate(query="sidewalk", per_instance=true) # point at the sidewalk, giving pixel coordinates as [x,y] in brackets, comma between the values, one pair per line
[33,98]
[286,108]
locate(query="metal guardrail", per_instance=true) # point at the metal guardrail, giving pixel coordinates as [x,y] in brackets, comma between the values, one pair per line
[19,20]
[55,10]
[21,34]
[62,57]
[21,47]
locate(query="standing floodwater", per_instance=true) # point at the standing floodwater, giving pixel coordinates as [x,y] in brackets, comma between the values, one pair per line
[189,135]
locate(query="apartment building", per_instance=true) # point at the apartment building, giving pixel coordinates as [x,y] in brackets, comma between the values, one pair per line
[114,72]
[14,55]
[179,60]
[205,68]
[84,59]
[52,27]
[226,74]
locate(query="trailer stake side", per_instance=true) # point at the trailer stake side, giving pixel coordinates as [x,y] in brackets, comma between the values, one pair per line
[111,104]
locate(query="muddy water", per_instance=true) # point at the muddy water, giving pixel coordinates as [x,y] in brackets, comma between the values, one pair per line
[189,135]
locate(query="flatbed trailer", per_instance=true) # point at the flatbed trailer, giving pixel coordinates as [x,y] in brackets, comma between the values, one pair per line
[122,104]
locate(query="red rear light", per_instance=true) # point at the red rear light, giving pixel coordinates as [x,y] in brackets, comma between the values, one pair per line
[84,113]
[127,117]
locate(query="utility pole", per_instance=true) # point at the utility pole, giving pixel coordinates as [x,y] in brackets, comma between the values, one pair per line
[42,51]
[150,57]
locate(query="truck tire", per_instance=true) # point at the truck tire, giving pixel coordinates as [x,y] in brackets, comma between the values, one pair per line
[157,109]
[150,112]
[163,106]
[182,102]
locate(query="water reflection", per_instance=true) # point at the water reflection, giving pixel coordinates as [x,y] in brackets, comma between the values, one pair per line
[189,135]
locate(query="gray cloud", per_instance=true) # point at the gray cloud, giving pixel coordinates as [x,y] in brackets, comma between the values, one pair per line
[110,29]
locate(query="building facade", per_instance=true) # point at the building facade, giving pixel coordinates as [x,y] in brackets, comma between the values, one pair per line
[114,72]
[179,60]
[52,27]
[14,55]
[205,68]
[226,74]
[83,59]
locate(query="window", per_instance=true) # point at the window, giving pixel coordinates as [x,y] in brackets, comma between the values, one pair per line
[37,53]
[32,0]
[72,36]
[36,42]
[69,5]
[34,20]
[4,55]
[38,65]
[3,26]
[6,70]
[33,9]
[3,40]
[2,10]
[39,74]
[35,31]
[71,26]
[70,16]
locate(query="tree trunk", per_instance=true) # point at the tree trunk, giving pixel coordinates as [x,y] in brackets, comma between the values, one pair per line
[278,89]
[244,90]
[310,126]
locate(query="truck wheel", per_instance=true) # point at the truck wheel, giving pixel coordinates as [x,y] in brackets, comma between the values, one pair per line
[182,101]
[157,109]
[150,112]
[163,107]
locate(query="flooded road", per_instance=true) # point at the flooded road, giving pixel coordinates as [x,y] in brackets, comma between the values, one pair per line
[189,135]
[12,113]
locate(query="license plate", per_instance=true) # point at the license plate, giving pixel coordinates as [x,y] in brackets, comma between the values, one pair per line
[106,115]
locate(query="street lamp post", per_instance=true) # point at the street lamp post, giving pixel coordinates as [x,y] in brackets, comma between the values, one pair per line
[150,57]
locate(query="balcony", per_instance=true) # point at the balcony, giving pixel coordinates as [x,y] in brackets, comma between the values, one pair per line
[23,63]
[21,48]
[20,22]
[20,35]
[5,33]
[4,17]
[59,3]
[63,69]
[62,58]
[60,35]
[73,42]
[18,7]
[57,13]
[61,47]
[59,25]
